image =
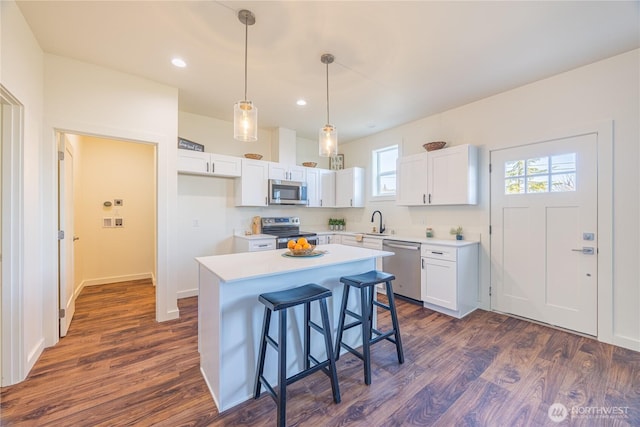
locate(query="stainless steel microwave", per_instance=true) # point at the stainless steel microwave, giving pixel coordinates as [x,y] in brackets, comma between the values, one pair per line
[287,192]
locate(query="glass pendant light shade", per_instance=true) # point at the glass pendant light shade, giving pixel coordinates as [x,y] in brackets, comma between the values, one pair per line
[245,121]
[328,138]
[245,114]
[328,141]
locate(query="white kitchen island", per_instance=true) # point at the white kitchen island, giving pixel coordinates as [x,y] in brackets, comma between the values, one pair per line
[230,315]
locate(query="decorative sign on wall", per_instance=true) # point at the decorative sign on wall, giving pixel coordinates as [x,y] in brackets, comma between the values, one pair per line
[336,162]
[185,144]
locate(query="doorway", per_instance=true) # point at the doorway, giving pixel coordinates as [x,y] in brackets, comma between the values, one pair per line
[544,238]
[107,213]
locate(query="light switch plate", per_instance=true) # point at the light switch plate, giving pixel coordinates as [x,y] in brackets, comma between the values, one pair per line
[588,236]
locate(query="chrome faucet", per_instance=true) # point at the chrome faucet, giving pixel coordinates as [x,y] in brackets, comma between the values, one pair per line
[381,228]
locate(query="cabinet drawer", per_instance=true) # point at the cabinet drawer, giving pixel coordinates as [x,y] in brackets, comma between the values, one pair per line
[262,245]
[439,252]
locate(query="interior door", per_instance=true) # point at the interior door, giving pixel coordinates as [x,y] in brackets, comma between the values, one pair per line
[544,241]
[65,244]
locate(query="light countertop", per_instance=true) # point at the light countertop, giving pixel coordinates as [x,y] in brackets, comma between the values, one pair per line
[250,265]
[400,237]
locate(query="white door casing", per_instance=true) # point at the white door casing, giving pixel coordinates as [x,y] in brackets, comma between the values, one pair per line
[66,279]
[538,268]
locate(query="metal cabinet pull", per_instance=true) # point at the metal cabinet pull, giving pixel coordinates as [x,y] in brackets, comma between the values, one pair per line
[424,199]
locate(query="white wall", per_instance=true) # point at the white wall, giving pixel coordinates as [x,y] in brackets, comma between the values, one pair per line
[21,69]
[108,170]
[87,99]
[606,90]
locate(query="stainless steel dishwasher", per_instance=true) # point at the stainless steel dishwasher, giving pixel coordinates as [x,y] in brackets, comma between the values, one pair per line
[405,265]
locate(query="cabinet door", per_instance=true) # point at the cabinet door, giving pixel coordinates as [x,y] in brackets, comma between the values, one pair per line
[313,187]
[225,165]
[277,171]
[193,162]
[453,176]
[374,244]
[411,180]
[350,188]
[440,282]
[252,187]
[297,173]
[327,188]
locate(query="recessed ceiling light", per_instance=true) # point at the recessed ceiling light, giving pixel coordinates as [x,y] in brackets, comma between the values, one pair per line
[301,102]
[178,62]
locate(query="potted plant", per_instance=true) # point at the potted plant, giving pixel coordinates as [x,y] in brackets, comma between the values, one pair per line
[332,223]
[342,223]
[457,231]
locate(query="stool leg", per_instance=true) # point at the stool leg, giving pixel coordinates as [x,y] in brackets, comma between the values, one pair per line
[326,328]
[366,334]
[262,352]
[307,333]
[370,292]
[282,370]
[394,321]
[341,318]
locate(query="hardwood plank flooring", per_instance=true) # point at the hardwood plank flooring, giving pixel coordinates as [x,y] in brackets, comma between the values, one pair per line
[119,367]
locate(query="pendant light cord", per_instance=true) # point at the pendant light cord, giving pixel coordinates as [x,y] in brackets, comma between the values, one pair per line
[328,93]
[246,44]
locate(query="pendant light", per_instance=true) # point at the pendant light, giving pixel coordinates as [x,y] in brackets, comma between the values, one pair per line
[328,140]
[245,114]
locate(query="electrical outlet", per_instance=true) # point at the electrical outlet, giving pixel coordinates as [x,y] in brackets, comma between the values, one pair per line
[118,202]
[118,222]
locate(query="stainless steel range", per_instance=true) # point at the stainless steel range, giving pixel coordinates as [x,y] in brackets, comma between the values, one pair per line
[285,229]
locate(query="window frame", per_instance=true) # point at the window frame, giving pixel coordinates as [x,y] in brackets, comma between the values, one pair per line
[375,176]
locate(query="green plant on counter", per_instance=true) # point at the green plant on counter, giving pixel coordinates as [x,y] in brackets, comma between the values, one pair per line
[457,231]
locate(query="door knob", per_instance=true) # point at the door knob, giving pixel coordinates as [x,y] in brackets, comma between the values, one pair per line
[75,238]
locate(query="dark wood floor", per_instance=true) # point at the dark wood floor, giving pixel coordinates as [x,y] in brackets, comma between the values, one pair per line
[119,367]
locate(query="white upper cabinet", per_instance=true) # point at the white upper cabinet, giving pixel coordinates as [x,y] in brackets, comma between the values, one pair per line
[441,177]
[411,180]
[252,188]
[313,188]
[286,172]
[453,176]
[327,188]
[350,188]
[199,163]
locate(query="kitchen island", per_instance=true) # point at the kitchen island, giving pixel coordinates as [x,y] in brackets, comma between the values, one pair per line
[230,315]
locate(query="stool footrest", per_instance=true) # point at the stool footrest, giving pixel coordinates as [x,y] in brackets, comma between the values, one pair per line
[353,351]
[300,375]
[354,315]
[317,327]
[268,388]
[271,341]
[381,336]
[351,325]
[382,305]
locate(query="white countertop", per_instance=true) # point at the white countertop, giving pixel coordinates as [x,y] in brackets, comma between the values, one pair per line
[403,238]
[250,265]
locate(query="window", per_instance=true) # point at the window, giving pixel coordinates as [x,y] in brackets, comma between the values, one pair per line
[541,175]
[384,171]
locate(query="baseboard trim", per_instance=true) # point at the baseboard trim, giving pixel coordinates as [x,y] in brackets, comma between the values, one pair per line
[117,279]
[188,293]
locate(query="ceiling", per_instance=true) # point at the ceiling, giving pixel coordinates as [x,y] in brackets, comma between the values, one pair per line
[396,61]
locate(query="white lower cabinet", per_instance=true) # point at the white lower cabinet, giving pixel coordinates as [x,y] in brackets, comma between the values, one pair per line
[246,244]
[450,278]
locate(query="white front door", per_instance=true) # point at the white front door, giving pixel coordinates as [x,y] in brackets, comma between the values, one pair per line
[544,245]
[65,203]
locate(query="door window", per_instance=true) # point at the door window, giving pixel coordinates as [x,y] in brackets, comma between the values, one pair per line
[540,174]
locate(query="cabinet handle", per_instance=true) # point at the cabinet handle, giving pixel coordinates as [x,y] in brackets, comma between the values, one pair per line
[320,202]
[429,198]
[207,166]
[213,167]
[266,202]
[350,202]
[263,245]
[437,253]
[422,259]
[424,199]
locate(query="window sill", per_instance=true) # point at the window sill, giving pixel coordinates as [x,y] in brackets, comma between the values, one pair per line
[382,198]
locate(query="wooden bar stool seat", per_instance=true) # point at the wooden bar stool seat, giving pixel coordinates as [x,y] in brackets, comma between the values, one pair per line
[366,283]
[280,301]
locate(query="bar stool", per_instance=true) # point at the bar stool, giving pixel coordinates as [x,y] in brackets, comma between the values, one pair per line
[366,283]
[280,301]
